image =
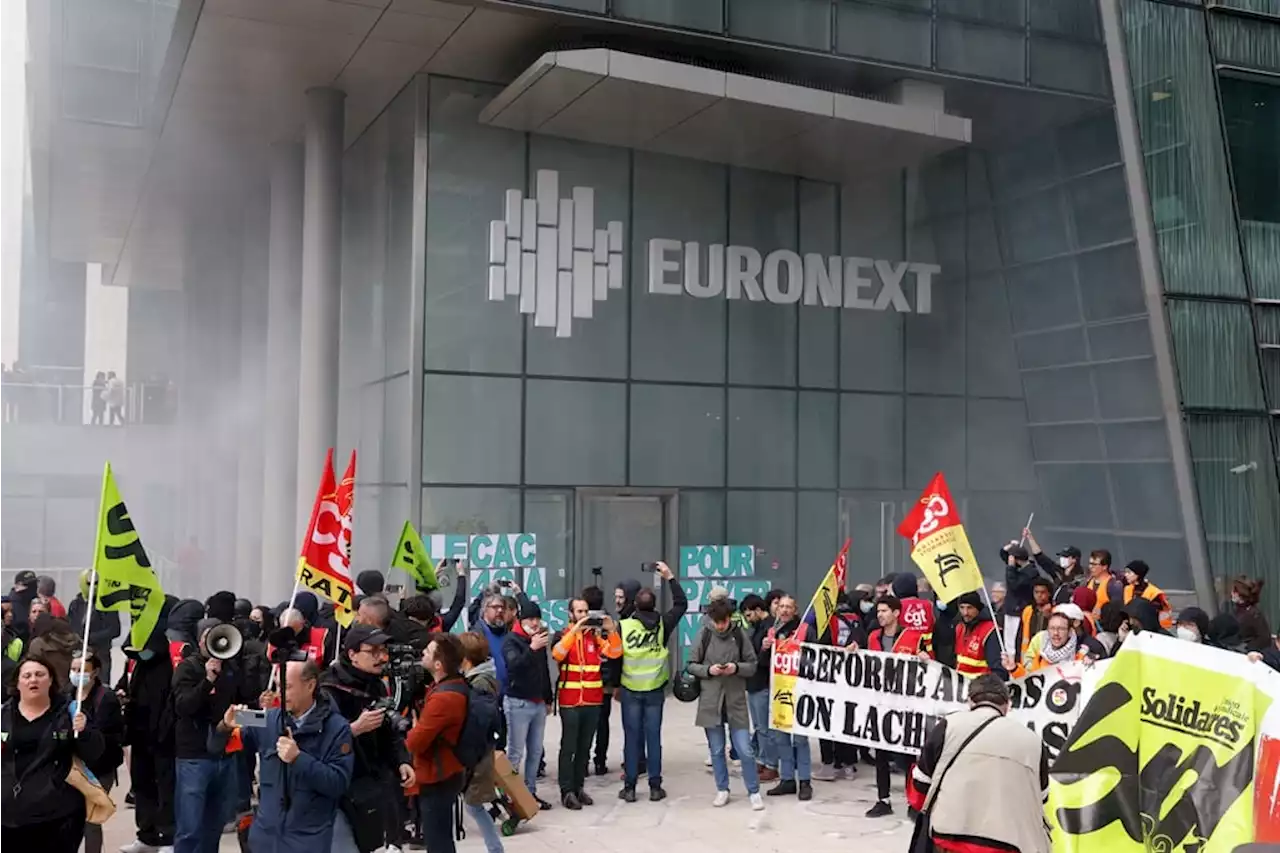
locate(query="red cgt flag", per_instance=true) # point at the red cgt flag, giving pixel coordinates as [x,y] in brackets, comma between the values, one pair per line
[324,566]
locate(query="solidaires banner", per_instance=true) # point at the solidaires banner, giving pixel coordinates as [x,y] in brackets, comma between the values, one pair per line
[887,701]
[1163,755]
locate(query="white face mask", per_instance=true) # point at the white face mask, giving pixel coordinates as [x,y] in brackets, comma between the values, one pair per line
[1064,562]
[1191,635]
[865,606]
[80,679]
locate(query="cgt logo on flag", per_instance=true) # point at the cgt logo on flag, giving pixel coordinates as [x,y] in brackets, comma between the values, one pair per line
[547,254]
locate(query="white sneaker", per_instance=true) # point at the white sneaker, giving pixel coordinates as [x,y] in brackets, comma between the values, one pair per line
[137,846]
[722,799]
[757,802]
[737,762]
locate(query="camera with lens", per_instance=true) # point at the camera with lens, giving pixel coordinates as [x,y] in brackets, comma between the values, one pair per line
[595,619]
[404,660]
[399,724]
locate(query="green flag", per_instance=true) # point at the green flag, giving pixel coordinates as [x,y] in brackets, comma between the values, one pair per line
[413,558]
[125,577]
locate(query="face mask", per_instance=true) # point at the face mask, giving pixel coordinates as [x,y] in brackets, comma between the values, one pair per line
[1064,562]
[1191,635]
[80,679]
[864,606]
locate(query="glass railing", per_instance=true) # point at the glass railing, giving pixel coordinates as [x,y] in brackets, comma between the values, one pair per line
[87,405]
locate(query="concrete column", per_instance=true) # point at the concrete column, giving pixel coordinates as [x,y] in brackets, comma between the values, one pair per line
[249,411]
[280,410]
[321,292]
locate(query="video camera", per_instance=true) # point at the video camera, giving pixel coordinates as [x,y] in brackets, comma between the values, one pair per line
[390,712]
[404,660]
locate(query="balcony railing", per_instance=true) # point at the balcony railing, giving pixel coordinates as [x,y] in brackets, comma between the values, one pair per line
[51,403]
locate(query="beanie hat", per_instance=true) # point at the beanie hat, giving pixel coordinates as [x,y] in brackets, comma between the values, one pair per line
[371,582]
[970,598]
[1084,598]
[905,585]
[530,610]
[1139,568]
[221,606]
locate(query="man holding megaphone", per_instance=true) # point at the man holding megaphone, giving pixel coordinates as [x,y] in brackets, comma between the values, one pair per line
[207,682]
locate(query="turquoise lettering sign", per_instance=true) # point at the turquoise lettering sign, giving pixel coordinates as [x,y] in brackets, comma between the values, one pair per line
[698,590]
[485,550]
[717,561]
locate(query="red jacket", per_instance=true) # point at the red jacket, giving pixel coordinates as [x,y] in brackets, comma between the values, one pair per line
[431,739]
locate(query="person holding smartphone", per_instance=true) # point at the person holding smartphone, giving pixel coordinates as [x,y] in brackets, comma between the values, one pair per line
[528,695]
[581,650]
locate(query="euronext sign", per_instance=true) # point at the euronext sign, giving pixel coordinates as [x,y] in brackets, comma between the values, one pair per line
[784,277]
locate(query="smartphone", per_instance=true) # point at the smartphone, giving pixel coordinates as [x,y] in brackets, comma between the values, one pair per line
[597,570]
[595,618]
[648,567]
[505,583]
[251,718]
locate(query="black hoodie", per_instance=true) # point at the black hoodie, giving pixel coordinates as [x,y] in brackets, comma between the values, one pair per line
[378,753]
[184,617]
[148,684]
[650,618]
[1146,614]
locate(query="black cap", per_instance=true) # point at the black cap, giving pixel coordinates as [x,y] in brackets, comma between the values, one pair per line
[364,635]
[1018,552]
[26,577]
[530,610]
[1070,551]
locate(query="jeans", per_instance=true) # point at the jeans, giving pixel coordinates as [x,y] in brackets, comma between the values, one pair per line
[437,805]
[577,726]
[245,762]
[796,764]
[642,721]
[766,751]
[741,740]
[203,802]
[488,829]
[526,723]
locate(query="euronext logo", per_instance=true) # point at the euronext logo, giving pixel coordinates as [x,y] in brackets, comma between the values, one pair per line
[547,254]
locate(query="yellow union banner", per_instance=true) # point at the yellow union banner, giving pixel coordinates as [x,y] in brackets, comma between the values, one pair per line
[939,545]
[125,577]
[1162,757]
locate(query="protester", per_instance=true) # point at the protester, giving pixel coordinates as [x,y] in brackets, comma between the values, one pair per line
[203,689]
[1255,633]
[893,637]
[579,651]
[481,676]
[795,761]
[1035,616]
[489,613]
[1224,633]
[305,762]
[1140,615]
[313,637]
[102,711]
[1109,622]
[1106,587]
[149,732]
[1192,625]
[722,658]
[1073,575]
[978,648]
[756,613]
[982,750]
[53,641]
[10,643]
[183,623]
[20,597]
[997,593]
[644,675]
[1086,599]
[529,695]
[1137,586]
[39,809]
[1080,624]
[1055,645]
[1020,572]
[47,588]
[367,818]
[839,759]
[102,626]
[438,771]
[611,682]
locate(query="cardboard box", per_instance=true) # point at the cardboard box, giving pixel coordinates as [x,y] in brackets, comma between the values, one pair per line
[523,805]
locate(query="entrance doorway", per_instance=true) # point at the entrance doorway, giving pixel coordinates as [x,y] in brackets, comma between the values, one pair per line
[617,532]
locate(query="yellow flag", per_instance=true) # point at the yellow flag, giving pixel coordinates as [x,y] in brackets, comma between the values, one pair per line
[413,558]
[125,577]
[939,545]
[823,604]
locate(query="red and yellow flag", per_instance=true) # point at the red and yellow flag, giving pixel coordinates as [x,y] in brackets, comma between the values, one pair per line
[824,599]
[325,564]
[938,543]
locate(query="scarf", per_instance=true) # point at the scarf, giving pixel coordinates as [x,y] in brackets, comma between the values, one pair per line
[1062,655]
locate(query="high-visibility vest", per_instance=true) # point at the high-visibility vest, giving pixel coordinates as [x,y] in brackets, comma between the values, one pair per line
[971,649]
[176,650]
[644,656]
[580,681]
[1028,613]
[910,641]
[13,651]
[1156,596]
[1101,590]
[1038,661]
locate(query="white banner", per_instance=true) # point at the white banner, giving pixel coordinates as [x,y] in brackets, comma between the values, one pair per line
[891,702]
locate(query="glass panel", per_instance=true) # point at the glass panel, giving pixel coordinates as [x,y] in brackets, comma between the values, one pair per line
[1217,362]
[1077,495]
[1033,227]
[1007,13]
[981,51]
[768,521]
[1136,440]
[1043,295]
[471,167]
[597,345]
[999,447]
[1127,389]
[1172,76]
[1243,41]
[1146,497]
[935,440]
[1100,208]
[1066,17]
[676,337]
[693,14]
[618,534]
[818,325]
[762,438]
[935,342]
[870,441]
[1120,340]
[805,23]
[1110,284]
[1089,144]
[762,335]
[871,218]
[1251,111]
[575,433]
[548,515]
[470,429]
[1067,65]
[991,370]
[677,435]
[875,33]
[1268,320]
[818,539]
[470,511]
[1235,475]
[818,440]
[597,6]
[1067,443]
[701,518]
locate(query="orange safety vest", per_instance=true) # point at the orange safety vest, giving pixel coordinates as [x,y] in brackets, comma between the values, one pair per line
[1101,591]
[1027,612]
[1039,662]
[971,649]
[1090,625]
[910,641]
[580,681]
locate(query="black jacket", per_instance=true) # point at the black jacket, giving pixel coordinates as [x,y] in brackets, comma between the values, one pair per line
[21,600]
[183,619]
[528,675]
[148,688]
[104,714]
[1018,579]
[198,705]
[44,794]
[103,628]
[379,752]
[759,680]
[406,632]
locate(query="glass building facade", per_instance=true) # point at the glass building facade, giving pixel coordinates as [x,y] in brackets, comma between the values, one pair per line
[1035,382]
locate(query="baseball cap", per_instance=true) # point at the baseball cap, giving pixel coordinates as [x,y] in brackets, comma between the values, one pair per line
[1018,552]
[1070,551]
[24,577]
[364,635]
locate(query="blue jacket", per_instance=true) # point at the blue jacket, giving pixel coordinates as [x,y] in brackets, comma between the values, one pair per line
[317,780]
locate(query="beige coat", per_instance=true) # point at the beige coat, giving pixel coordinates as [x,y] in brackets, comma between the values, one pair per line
[993,789]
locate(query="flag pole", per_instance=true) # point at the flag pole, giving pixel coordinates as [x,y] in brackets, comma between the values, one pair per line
[1025,528]
[991,608]
[91,605]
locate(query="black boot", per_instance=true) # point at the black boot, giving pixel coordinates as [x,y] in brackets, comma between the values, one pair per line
[627,795]
[585,799]
[782,789]
[806,791]
[571,802]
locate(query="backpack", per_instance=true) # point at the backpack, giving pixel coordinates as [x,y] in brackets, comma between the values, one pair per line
[479,736]
[687,686]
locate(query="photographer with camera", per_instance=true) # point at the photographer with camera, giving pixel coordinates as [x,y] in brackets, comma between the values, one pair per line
[367,818]
[580,650]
